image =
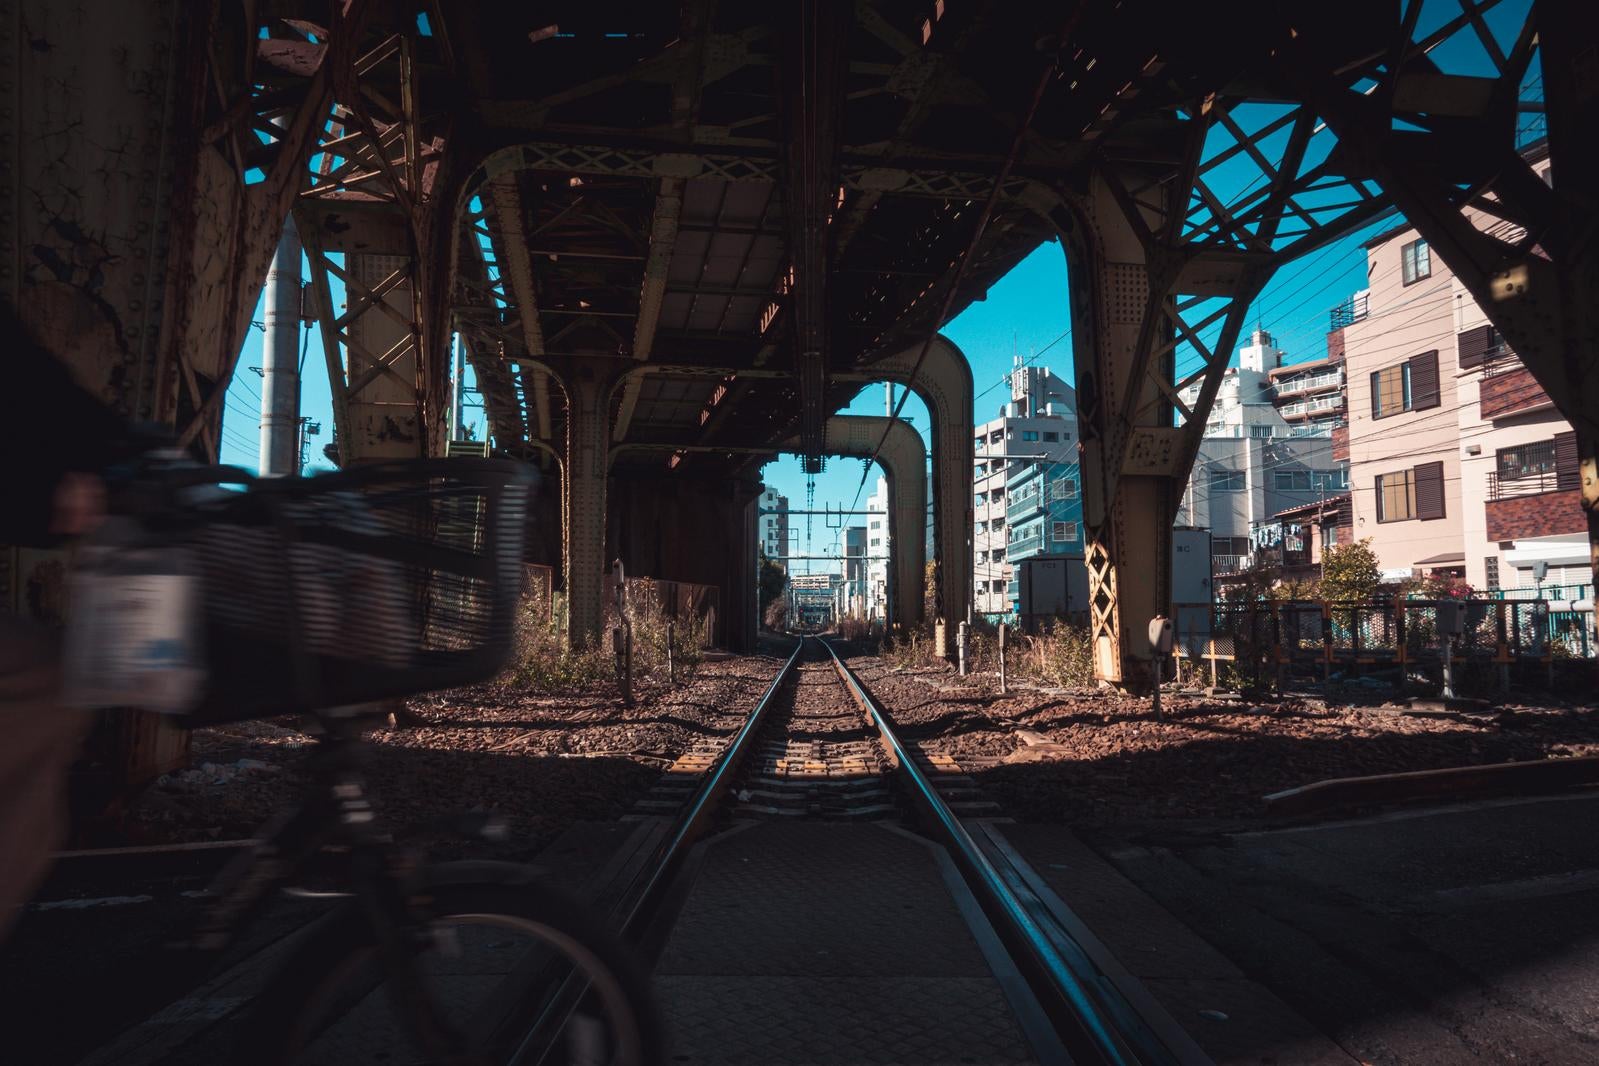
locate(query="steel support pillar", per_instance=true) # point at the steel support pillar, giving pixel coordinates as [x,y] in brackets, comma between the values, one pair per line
[944,384]
[588,438]
[1127,519]
[702,532]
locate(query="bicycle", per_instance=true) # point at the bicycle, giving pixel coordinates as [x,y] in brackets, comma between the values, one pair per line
[464,962]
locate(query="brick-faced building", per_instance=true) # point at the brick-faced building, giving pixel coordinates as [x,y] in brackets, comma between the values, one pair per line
[1458,461]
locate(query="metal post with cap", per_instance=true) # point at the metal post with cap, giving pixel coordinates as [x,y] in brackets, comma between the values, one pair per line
[1162,638]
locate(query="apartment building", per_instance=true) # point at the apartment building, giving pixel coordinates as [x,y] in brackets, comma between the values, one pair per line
[772,524]
[1459,463]
[1038,424]
[878,547]
[1267,449]
[851,590]
[1043,516]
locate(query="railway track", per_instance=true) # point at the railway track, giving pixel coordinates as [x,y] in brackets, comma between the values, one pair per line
[818,756]
[807,889]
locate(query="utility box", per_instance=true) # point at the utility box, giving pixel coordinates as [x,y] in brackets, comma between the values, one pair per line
[1192,591]
[1050,587]
[1451,617]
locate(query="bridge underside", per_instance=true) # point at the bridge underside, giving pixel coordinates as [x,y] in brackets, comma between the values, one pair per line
[676,239]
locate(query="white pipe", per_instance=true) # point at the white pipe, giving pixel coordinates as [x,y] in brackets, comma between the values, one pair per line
[280,360]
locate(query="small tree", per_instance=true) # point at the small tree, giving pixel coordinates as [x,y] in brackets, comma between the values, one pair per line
[1349,572]
[777,614]
[773,580]
[930,591]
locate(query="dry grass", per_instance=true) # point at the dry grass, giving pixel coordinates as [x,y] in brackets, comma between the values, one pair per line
[544,664]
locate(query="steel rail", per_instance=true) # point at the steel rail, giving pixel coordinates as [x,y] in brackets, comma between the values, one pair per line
[1094,1020]
[639,903]
[696,814]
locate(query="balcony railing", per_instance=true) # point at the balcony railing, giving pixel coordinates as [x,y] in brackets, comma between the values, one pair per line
[1350,311]
[1509,488]
[1500,359]
[1306,384]
[1227,564]
[1307,407]
[1025,548]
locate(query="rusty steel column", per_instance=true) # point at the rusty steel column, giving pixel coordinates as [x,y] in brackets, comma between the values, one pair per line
[588,438]
[1127,520]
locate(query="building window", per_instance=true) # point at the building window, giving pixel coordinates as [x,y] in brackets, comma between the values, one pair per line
[1051,437]
[877,542]
[1390,390]
[1229,546]
[996,436]
[1396,496]
[1415,262]
[1330,480]
[997,555]
[999,586]
[1478,345]
[1414,493]
[1526,460]
[1064,488]
[1260,431]
[1226,481]
[1408,386]
[1063,531]
[1293,480]
[1030,435]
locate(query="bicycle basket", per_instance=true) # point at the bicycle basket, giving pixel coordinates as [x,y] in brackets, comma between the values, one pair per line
[381,581]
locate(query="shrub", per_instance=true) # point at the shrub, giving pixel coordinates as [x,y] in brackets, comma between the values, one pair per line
[1349,573]
[1062,656]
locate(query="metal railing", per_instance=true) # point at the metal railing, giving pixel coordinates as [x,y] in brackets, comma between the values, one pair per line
[1270,636]
[1499,359]
[1305,384]
[1228,564]
[1533,484]
[1350,311]
[1319,403]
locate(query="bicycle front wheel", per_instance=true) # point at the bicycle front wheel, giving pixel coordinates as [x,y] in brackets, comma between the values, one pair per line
[494,973]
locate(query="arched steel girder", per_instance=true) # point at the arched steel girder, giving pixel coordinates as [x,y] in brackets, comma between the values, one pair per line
[904,461]
[944,383]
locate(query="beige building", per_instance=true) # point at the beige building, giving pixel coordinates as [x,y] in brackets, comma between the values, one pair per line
[1458,462]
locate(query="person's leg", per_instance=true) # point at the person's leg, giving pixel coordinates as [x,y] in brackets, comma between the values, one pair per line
[39,740]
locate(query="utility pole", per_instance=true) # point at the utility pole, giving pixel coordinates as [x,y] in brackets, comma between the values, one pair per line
[280,362]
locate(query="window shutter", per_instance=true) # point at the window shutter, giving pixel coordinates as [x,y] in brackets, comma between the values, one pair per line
[1473,345]
[1376,396]
[1568,474]
[1430,490]
[1424,380]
